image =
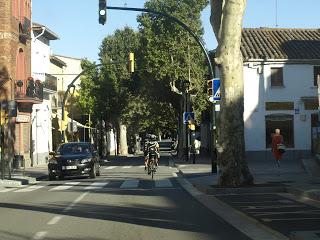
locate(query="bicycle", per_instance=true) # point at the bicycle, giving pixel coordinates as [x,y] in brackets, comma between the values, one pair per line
[152,165]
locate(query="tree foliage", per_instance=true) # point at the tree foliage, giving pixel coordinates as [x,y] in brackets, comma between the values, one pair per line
[169,53]
[165,56]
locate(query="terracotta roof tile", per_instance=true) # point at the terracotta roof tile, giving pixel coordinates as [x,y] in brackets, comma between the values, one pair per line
[280,43]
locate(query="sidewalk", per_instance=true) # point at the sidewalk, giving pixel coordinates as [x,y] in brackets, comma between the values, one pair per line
[21,177]
[293,176]
[296,177]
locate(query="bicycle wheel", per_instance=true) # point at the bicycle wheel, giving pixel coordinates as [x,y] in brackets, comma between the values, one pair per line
[152,170]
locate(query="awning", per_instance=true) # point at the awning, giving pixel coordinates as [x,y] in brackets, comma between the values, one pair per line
[74,121]
[80,125]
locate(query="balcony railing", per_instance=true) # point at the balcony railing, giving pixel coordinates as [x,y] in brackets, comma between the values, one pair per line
[29,89]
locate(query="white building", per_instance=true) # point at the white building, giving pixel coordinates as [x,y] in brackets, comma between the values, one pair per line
[41,113]
[66,74]
[281,67]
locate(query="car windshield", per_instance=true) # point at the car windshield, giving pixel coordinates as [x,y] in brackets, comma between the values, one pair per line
[73,149]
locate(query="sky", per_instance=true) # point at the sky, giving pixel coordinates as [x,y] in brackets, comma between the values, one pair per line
[80,34]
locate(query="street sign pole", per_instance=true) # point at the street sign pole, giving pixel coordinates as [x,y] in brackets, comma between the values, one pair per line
[216,97]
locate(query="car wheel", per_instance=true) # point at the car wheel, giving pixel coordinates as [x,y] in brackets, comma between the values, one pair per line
[61,176]
[93,172]
[98,171]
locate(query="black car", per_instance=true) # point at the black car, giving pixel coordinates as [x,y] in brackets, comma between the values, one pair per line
[72,159]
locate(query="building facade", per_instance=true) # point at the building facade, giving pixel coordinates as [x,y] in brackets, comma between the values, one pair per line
[16,83]
[281,67]
[41,117]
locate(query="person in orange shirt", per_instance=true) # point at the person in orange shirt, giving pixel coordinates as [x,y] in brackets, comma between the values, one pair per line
[277,138]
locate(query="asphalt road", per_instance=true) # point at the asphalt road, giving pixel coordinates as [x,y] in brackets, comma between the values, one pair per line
[123,203]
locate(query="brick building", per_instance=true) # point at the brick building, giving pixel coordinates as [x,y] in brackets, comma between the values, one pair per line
[15,81]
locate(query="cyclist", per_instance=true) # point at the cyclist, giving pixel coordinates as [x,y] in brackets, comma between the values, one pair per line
[145,151]
[153,145]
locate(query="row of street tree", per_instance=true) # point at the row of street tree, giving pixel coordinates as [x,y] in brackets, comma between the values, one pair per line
[149,100]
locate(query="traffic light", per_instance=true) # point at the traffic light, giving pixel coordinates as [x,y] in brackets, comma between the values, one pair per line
[131,62]
[102,11]
[210,87]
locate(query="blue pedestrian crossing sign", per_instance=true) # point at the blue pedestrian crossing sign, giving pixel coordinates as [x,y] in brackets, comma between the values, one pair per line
[216,89]
[187,116]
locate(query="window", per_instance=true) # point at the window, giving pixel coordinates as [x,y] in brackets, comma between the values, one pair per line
[285,123]
[316,75]
[276,106]
[276,77]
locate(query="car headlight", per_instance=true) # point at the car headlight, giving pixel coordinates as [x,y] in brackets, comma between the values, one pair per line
[53,161]
[86,160]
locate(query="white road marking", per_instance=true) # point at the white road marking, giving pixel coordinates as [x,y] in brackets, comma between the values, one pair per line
[272,207]
[111,167]
[30,189]
[127,167]
[71,205]
[142,166]
[287,219]
[314,212]
[8,189]
[270,201]
[54,220]
[65,186]
[130,184]
[39,235]
[96,185]
[163,183]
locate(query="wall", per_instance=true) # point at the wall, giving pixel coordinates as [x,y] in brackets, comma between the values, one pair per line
[40,58]
[298,82]
[40,134]
[9,48]
[73,67]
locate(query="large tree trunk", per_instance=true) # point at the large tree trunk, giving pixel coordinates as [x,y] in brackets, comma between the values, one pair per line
[123,145]
[226,20]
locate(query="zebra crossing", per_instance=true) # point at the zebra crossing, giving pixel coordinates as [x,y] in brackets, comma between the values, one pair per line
[122,185]
[123,167]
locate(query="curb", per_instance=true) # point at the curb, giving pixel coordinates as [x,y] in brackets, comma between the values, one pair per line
[18,181]
[10,183]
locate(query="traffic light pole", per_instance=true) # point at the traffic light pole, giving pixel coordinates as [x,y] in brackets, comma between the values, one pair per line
[209,64]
